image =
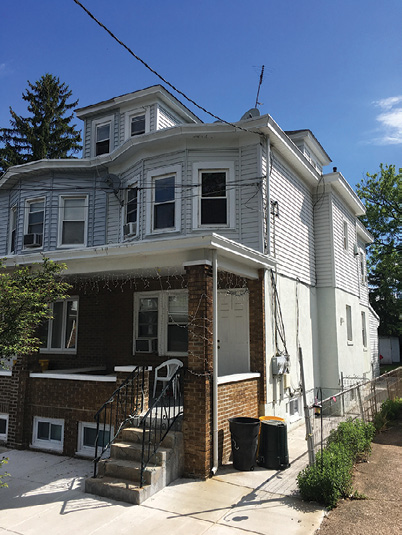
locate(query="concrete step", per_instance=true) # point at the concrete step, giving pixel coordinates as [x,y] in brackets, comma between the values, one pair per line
[129,470]
[118,489]
[135,435]
[131,451]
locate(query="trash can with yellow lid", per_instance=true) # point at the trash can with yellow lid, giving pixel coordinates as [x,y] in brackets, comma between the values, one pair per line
[273,447]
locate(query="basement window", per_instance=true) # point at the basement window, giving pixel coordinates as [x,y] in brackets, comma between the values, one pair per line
[47,434]
[87,433]
[3,426]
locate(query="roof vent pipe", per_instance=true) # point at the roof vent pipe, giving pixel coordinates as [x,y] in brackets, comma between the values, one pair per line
[334,169]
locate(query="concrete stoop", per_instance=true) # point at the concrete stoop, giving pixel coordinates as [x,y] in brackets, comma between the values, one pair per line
[119,476]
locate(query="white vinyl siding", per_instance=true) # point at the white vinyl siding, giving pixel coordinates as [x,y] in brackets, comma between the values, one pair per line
[323,241]
[251,198]
[345,262]
[292,236]
[166,119]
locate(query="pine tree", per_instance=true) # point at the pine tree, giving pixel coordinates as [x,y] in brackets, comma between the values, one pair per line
[47,132]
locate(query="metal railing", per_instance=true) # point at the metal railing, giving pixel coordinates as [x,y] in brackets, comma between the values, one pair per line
[160,418]
[361,400]
[122,408]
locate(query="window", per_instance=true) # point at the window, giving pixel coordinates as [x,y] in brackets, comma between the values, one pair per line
[131,211]
[345,236]
[3,427]
[35,214]
[293,409]
[163,197]
[164,203]
[161,323]
[48,433]
[213,209]
[349,324]
[102,141]
[215,204]
[13,229]
[364,329]
[87,433]
[73,221]
[60,333]
[177,338]
[137,125]
[362,268]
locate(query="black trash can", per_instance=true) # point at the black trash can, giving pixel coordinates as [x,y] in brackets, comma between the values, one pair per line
[273,446]
[244,438]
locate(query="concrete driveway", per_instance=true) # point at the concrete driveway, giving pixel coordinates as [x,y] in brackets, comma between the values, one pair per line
[45,494]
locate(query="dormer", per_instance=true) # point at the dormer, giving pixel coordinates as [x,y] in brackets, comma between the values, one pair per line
[310,148]
[109,124]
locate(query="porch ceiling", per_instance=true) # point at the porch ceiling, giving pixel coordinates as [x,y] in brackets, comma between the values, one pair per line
[168,255]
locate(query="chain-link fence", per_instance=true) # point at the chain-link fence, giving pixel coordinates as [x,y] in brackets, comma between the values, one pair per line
[360,400]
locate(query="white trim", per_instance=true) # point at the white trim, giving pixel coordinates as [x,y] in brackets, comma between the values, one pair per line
[50,444]
[236,378]
[163,172]
[3,436]
[6,373]
[75,377]
[198,168]
[62,199]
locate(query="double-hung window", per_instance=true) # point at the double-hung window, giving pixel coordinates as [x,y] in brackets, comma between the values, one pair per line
[364,329]
[73,221]
[214,206]
[163,196]
[131,211]
[362,268]
[13,229]
[161,323]
[34,220]
[102,139]
[60,333]
[345,235]
[137,125]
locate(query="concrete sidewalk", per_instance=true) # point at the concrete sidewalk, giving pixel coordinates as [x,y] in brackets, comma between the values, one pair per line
[45,495]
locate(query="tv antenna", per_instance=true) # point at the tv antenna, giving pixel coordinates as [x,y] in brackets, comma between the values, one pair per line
[258,89]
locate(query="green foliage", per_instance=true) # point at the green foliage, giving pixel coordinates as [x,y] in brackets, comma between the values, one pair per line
[355,436]
[25,295]
[391,411]
[47,132]
[381,194]
[4,460]
[330,478]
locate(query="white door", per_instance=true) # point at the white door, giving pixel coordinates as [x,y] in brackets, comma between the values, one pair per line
[233,333]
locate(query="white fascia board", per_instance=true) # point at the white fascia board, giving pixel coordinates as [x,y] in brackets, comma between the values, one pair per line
[363,233]
[346,192]
[169,252]
[287,148]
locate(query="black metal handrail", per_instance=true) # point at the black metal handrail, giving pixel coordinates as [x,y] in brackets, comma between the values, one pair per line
[160,418]
[120,410]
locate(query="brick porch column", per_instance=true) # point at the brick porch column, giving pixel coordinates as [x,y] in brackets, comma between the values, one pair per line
[257,330]
[197,379]
[18,431]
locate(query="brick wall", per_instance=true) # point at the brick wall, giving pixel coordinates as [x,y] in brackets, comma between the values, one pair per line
[235,399]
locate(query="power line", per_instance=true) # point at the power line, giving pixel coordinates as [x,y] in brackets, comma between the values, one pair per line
[121,43]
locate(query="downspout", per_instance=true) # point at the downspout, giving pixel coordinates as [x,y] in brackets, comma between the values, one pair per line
[215,367]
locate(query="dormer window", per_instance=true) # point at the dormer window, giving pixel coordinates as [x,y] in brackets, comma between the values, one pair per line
[137,125]
[103,134]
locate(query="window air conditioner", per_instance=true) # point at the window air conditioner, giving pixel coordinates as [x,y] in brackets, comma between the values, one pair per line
[146,345]
[33,240]
[129,229]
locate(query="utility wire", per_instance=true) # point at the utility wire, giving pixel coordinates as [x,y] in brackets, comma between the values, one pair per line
[121,43]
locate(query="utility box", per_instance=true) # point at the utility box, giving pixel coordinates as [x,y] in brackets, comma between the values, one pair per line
[279,365]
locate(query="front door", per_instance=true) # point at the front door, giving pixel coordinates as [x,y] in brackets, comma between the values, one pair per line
[233,332]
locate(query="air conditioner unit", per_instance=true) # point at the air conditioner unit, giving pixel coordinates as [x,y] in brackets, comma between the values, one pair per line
[129,229]
[146,345]
[33,240]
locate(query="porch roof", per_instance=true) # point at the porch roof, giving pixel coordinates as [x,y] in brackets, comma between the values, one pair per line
[166,255]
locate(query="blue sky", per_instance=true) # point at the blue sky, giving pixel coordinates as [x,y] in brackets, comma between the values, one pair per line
[334,67]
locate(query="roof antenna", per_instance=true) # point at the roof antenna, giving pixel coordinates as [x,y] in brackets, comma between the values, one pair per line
[258,89]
